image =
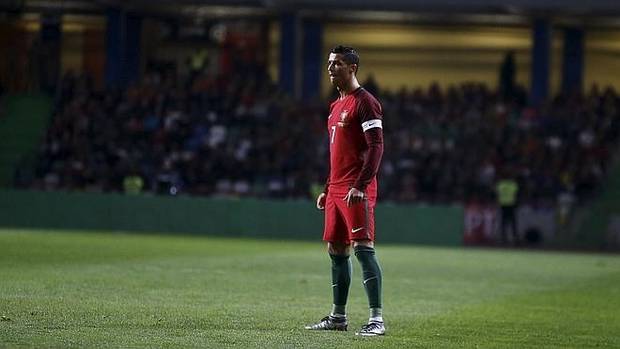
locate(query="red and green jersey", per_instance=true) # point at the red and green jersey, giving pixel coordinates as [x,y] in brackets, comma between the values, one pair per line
[355,126]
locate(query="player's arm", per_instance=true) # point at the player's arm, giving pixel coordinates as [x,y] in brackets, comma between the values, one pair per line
[320,199]
[374,140]
[373,134]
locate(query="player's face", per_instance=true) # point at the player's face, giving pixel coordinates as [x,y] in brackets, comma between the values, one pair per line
[339,71]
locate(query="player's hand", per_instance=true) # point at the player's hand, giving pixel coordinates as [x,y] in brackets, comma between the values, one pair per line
[353,197]
[320,201]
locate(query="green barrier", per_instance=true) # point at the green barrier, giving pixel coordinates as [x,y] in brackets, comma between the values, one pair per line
[420,224]
[225,217]
[21,130]
[593,231]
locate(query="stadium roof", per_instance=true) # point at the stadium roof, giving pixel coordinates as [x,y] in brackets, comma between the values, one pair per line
[600,12]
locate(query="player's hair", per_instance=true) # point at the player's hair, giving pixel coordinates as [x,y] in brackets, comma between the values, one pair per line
[349,55]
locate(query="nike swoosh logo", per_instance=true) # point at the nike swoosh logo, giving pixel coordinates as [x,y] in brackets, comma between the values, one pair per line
[371,124]
[365,281]
[356,230]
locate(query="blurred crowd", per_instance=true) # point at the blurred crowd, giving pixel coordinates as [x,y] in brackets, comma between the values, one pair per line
[454,145]
[233,135]
[238,135]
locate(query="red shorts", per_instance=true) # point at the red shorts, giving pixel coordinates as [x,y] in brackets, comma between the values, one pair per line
[346,224]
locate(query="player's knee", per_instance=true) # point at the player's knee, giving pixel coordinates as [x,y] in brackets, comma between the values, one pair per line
[338,249]
[362,249]
[363,243]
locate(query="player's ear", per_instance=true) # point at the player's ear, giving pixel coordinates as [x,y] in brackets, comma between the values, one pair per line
[353,68]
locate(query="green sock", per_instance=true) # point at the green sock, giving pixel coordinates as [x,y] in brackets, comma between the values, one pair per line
[371,273]
[341,280]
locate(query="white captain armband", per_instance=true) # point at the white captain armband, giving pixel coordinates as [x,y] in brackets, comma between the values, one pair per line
[371,124]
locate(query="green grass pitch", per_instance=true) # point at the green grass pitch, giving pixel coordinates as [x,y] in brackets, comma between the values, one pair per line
[70,289]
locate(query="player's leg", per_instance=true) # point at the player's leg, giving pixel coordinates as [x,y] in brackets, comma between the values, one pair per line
[504,224]
[339,253]
[338,247]
[372,279]
[513,225]
[361,226]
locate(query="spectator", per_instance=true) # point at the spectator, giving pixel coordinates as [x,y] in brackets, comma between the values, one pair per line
[507,191]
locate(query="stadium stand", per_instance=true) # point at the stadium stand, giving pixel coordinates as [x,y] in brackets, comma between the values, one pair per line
[240,136]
